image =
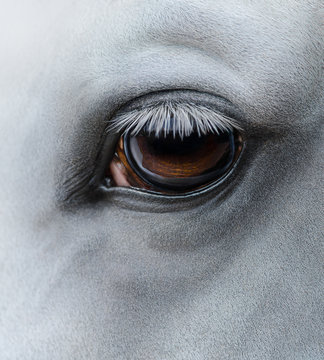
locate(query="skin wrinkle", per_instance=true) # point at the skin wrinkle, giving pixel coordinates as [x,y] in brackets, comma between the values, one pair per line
[232,273]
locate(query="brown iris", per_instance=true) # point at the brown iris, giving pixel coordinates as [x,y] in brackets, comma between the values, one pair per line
[173,164]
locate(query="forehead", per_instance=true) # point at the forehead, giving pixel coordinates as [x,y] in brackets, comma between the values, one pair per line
[132,19]
[119,41]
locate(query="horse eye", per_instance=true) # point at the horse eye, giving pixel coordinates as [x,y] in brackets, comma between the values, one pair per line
[171,163]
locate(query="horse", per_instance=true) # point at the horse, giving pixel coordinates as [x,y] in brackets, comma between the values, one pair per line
[101,263]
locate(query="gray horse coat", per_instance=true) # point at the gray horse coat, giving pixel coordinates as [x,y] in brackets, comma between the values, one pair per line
[233,272]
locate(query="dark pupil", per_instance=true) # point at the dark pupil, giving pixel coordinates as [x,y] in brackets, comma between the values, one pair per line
[170,146]
[172,163]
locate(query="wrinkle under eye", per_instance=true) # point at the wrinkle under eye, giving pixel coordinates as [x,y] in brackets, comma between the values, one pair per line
[173,164]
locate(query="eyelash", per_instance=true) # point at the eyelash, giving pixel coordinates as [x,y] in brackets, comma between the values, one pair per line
[158,119]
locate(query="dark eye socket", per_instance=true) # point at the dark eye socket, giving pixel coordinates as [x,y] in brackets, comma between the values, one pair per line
[170,163]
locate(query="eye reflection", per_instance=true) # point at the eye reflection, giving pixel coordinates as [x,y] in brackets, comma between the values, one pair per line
[172,164]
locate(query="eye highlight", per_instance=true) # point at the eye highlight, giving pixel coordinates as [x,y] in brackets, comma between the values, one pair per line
[173,147]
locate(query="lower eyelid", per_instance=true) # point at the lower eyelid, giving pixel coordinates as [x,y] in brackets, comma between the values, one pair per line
[149,201]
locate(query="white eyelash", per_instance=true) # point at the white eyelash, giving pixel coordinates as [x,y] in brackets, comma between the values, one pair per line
[187,118]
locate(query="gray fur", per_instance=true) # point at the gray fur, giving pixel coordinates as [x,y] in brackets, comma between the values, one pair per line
[234,272]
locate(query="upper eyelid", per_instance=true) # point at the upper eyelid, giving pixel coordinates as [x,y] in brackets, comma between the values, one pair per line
[157,118]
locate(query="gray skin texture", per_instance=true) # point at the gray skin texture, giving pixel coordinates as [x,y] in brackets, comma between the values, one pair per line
[233,272]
